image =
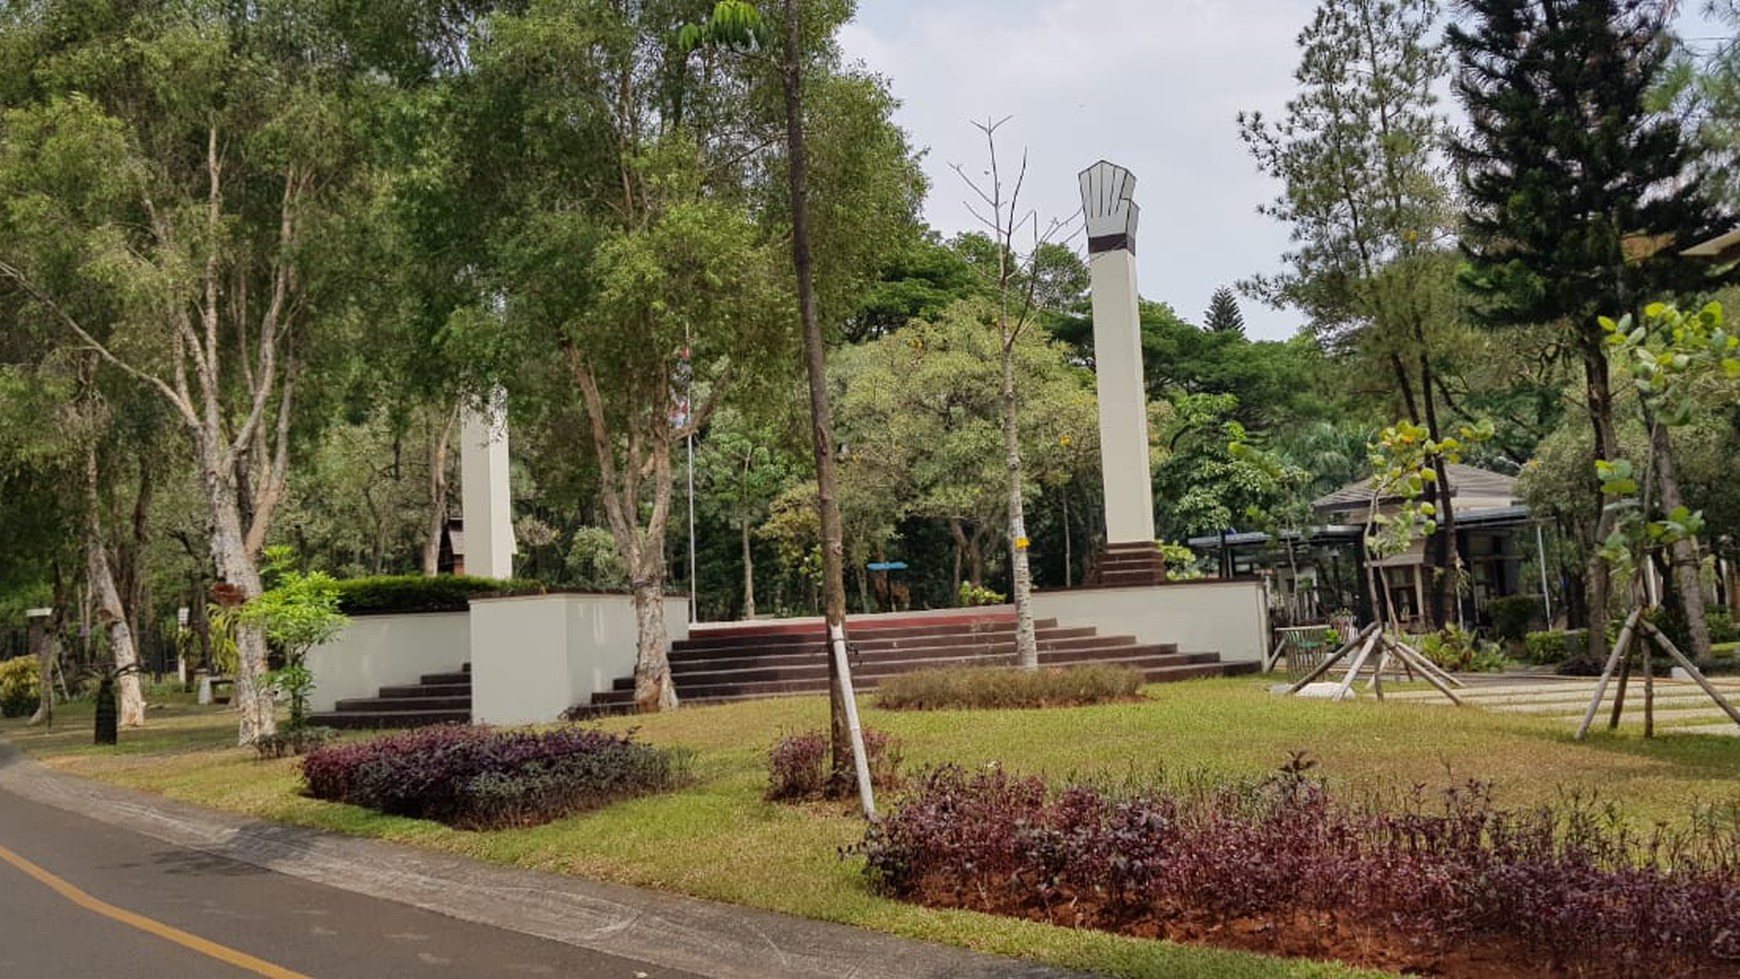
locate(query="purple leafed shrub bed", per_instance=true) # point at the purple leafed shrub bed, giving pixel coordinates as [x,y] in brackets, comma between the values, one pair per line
[1451,885]
[483,778]
[798,770]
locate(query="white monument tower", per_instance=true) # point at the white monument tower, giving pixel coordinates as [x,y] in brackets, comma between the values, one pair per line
[1131,556]
[484,499]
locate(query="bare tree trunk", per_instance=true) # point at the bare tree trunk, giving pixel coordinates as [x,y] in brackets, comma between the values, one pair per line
[960,538]
[1595,370]
[653,690]
[1684,557]
[440,438]
[236,568]
[1026,639]
[748,575]
[1446,556]
[45,637]
[821,420]
[644,555]
[132,577]
[111,614]
[1068,557]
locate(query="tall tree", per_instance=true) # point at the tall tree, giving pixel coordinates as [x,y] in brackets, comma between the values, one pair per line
[1224,315]
[846,187]
[742,470]
[1013,288]
[1580,196]
[629,252]
[1369,207]
[180,169]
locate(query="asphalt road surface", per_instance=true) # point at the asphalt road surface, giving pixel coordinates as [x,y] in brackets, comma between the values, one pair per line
[81,898]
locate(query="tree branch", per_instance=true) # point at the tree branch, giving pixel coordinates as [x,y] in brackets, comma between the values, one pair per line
[95,346]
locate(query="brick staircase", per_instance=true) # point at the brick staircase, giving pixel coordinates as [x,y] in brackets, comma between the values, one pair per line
[436,698]
[743,661]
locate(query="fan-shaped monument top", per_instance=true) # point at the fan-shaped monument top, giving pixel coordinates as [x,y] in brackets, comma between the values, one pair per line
[1111,214]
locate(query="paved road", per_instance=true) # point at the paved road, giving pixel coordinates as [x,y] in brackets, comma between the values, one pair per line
[61,920]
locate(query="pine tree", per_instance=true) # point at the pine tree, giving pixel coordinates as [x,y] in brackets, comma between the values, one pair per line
[1580,197]
[1359,151]
[1224,315]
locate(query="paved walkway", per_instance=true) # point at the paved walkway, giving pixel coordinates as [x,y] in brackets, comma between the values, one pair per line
[1680,706]
[669,931]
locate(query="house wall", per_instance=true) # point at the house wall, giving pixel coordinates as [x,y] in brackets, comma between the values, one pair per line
[534,656]
[376,651]
[1226,617]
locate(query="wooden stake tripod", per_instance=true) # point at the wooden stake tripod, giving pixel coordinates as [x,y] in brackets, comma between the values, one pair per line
[1636,629]
[1374,637]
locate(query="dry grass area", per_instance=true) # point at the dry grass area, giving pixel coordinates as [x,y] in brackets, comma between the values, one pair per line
[720,839]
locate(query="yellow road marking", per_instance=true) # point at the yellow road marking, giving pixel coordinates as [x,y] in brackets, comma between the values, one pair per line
[240,960]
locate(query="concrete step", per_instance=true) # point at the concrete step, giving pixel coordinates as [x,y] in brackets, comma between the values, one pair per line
[402,704]
[741,637]
[357,720]
[926,645]
[1158,668]
[445,679]
[427,690]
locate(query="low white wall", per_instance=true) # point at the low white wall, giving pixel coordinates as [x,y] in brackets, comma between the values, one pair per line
[1226,617]
[535,656]
[376,651]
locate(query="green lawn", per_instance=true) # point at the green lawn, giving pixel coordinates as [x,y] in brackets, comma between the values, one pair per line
[719,840]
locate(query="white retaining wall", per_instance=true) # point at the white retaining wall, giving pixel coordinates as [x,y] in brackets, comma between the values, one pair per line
[534,656]
[1226,617]
[376,651]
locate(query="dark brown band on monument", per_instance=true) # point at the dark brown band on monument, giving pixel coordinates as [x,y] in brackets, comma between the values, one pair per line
[1111,243]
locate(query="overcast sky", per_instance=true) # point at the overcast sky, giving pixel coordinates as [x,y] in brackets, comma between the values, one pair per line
[1152,85]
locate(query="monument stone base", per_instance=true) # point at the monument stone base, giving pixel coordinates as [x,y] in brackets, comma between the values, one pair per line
[1131,563]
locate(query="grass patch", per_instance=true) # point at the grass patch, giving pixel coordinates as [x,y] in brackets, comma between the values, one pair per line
[1005,688]
[718,838]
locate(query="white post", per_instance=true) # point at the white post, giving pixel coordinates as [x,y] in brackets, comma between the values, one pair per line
[1111,216]
[861,764]
[485,496]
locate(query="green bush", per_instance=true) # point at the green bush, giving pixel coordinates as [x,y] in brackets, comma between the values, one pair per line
[1721,622]
[1003,688]
[972,594]
[1555,647]
[1513,614]
[415,593]
[19,693]
[1455,648]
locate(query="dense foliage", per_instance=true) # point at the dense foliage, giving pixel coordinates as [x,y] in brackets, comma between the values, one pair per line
[1555,646]
[481,778]
[1566,888]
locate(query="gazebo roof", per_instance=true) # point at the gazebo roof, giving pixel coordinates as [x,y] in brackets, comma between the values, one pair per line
[1465,481]
[1722,248]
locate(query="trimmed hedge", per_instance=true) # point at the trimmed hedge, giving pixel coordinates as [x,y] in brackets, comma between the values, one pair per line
[481,778]
[1555,647]
[416,593]
[1004,688]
